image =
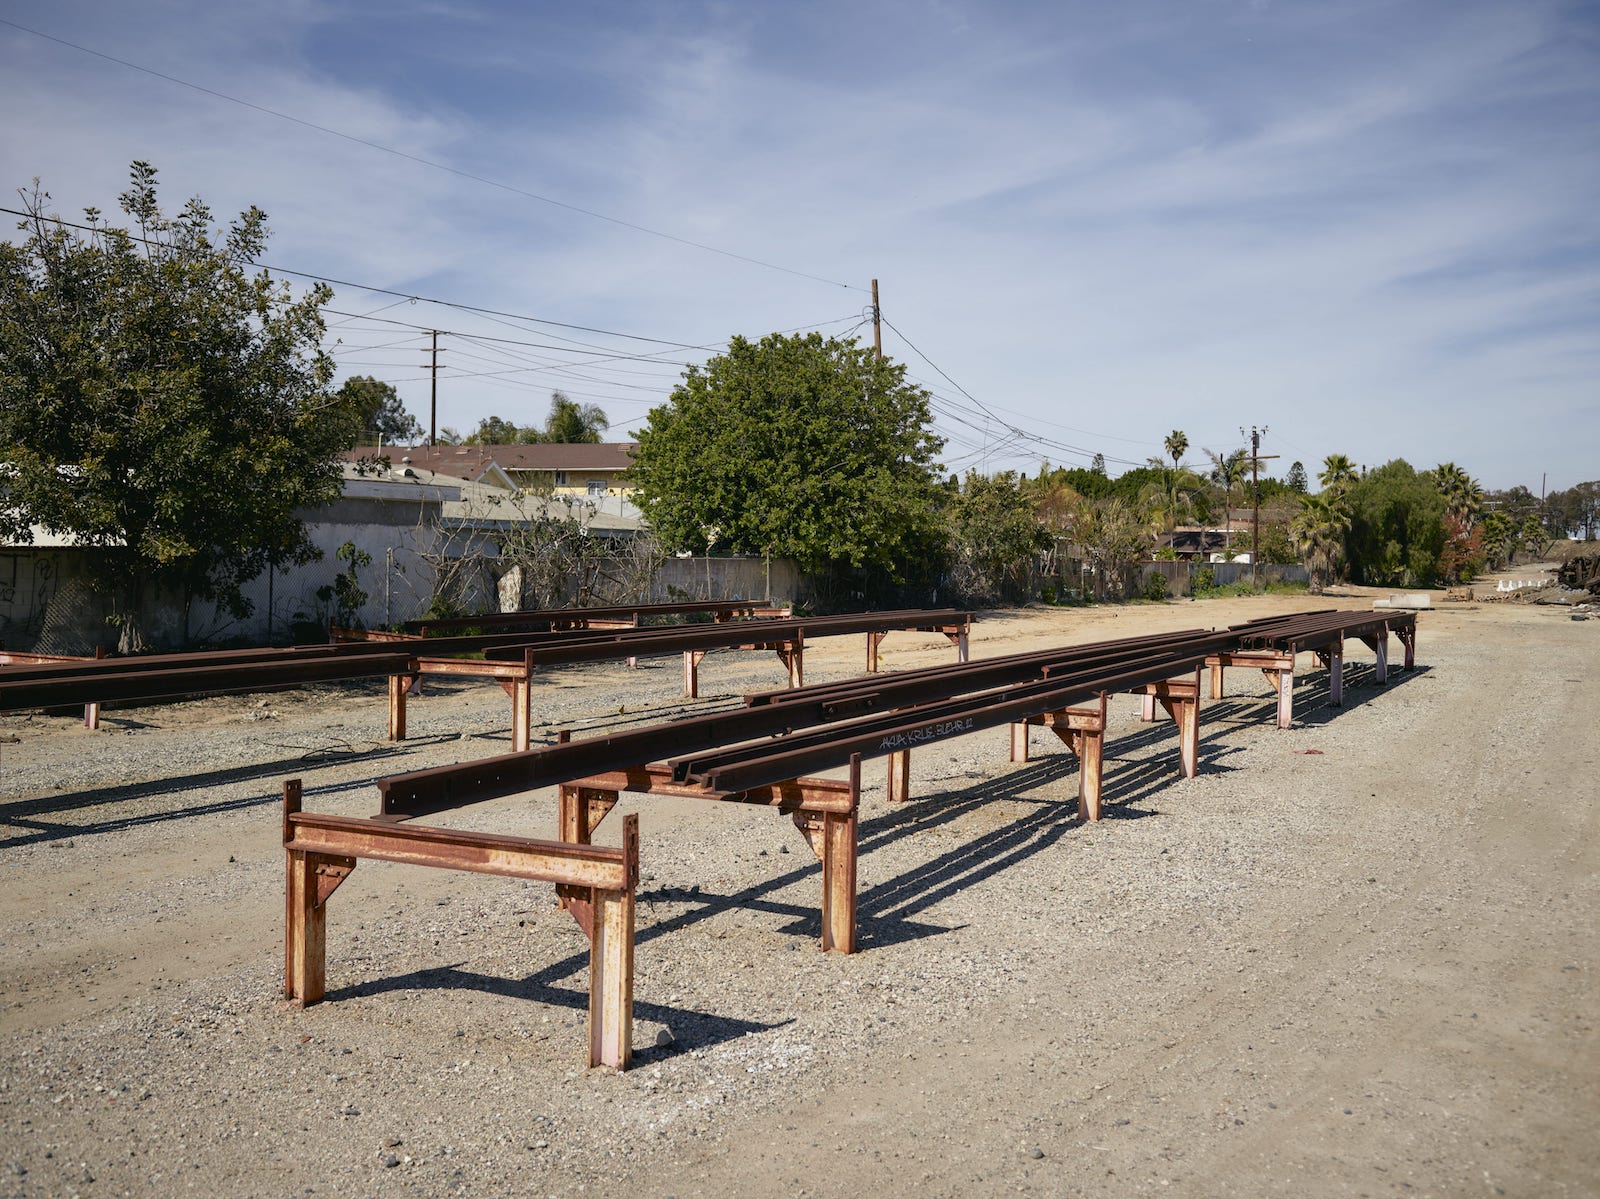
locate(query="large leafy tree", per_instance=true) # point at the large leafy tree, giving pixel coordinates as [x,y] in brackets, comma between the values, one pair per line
[567,422]
[161,400]
[380,414]
[796,445]
[995,537]
[1574,511]
[497,430]
[1397,529]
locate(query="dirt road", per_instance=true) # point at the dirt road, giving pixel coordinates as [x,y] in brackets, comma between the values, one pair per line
[1353,958]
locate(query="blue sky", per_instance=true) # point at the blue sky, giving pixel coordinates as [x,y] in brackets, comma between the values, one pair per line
[1370,227]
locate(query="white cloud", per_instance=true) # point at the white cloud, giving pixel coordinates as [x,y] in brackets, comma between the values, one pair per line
[1367,225]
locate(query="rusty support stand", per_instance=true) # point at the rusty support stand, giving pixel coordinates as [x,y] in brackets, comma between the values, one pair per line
[599,884]
[833,837]
[1181,699]
[1378,643]
[399,685]
[1083,730]
[793,655]
[900,776]
[1277,666]
[522,710]
[825,810]
[1331,657]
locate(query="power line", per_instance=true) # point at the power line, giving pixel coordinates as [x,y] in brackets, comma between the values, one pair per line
[431,164]
[1018,432]
[402,296]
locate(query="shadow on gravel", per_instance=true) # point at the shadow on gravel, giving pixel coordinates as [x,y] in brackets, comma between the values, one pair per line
[1311,706]
[27,813]
[690,1029]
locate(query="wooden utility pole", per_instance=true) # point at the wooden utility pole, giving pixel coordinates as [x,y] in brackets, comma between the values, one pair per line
[433,398]
[877,327]
[1256,458]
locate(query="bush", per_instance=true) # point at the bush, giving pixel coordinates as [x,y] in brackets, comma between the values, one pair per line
[1205,579]
[1155,587]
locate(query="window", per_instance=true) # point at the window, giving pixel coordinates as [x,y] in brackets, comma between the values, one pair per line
[561,478]
[597,488]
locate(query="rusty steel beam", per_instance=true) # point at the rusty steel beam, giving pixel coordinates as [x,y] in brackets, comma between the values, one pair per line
[558,617]
[173,683]
[589,646]
[952,679]
[439,789]
[904,730]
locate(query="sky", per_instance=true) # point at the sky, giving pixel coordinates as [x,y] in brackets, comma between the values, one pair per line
[1368,227]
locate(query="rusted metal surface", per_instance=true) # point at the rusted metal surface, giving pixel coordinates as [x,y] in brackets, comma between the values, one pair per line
[769,715]
[593,646]
[832,746]
[575,618]
[80,688]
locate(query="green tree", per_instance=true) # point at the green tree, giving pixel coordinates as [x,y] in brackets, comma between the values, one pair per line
[1574,511]
[497,430]
[162,401]
[1318,531]
[571,422]
[1396,526]
[796,445]
[1172,495]
[1296,478]
[380,414]
[1113,539]
[995,538]
[1462,495]
[1227,475]
[1499,539]
[1176,444]
[1533,537]
[1337,471]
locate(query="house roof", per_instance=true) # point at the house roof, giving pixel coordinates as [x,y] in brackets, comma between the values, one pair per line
[473,461]
[486,505]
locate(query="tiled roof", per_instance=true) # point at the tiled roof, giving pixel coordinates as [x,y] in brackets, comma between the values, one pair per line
[470,461]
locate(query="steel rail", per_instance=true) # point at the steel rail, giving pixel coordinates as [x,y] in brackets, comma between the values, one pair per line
[440,788]
[206,680]
[906,730]
[614,612]
[593,645]
[1000,668]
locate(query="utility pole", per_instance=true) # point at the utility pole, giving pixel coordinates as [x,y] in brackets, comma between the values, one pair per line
[433,398]
[1256,458]
[877,327]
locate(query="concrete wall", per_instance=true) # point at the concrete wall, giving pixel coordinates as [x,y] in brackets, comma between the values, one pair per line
[729,578]
[49,602]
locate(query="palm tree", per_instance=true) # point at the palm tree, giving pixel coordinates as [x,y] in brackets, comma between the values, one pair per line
[1227,472]
[1337,471]
[1164,500]
[1463,498]
[1176,443]
[1318,530]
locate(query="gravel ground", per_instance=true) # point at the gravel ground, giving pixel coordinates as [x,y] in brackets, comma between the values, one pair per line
[1357,957]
